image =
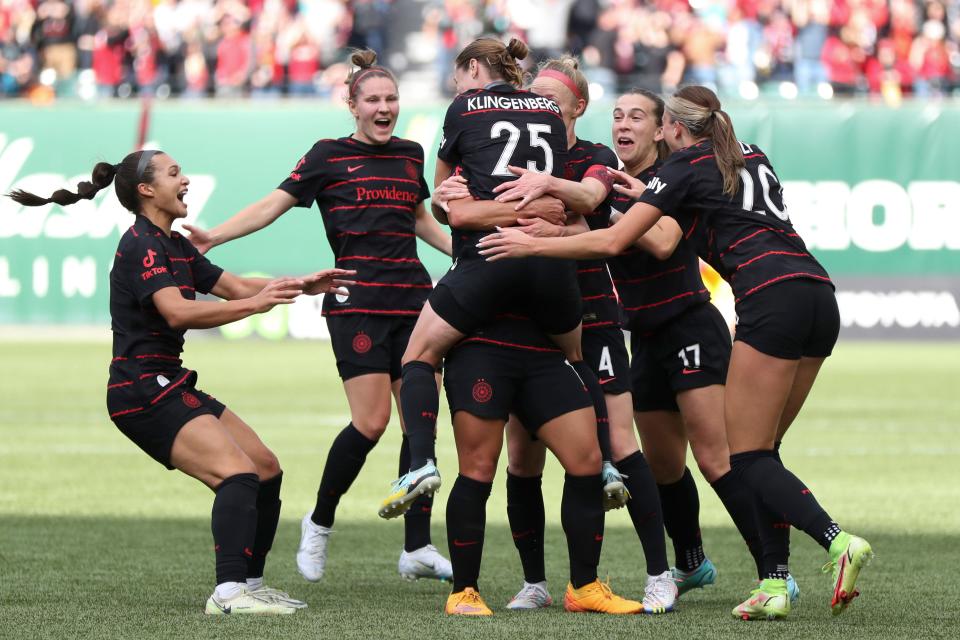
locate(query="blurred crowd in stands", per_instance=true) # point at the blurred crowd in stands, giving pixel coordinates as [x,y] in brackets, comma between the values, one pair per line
[266,48]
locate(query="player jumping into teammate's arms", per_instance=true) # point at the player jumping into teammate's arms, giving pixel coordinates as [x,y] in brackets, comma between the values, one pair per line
[727,198]
[153,399]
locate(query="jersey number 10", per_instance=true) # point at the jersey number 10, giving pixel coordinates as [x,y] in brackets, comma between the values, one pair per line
[535,131]
[764,174]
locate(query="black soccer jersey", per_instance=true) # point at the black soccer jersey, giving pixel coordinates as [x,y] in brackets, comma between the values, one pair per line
[146,261]
[600,306]
[368,196]
[748,238]
[487,130]
[654,291]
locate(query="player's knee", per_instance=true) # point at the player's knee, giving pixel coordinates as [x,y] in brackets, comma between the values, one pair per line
[713,468]
[268,466]
[234,463]
[479,470]
[666,469]
[586,463]
[373,424]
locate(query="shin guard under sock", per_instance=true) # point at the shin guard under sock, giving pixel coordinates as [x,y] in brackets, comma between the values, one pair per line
[420,404]
[234,523]
[582,517]
[268,515]
[525,513]
[740,503]
[645,511]
[416,521]
[344,462]
[681,519]
[783,493]
[466,524]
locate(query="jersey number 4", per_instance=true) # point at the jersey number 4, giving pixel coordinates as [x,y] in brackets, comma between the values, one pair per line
[535,131]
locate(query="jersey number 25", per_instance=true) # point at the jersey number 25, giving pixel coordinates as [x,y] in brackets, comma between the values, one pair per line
[535,131]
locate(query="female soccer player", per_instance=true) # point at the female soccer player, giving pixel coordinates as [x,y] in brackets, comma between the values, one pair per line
[154,401]
[727,199]
[489,126]
[585,188]
[680,353]
[370,189]
[511,366]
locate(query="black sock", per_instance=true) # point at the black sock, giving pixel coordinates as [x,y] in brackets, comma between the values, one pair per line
[645,511]
[775,543]
[234,524]
[782,492]
[416,521]
[590,381]
[420,404]
[344,461]
[681,518]
[466,523]
[740,503]
[527,524]
[582,517]
[268,515]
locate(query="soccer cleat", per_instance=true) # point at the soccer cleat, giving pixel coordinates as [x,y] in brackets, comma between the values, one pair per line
[281,597]
[467,603]
[615,493]
[660,594]
[702,576]
[768,601]
[425,562]
[793,590]
[848,555]
[246,603]
[407,488]
[312,553]
[597,597]
[531,596]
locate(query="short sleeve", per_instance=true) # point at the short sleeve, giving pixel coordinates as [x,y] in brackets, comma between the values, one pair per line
[668,189]
[205,273]
[309,177]
[452,123]
[148,267]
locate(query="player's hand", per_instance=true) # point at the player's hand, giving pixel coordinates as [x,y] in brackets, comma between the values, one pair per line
[507,243]
[551,209]
[453,188]
[626,184]
[328,281]
[528,186]
[199,238]
[539,228]
[278,291]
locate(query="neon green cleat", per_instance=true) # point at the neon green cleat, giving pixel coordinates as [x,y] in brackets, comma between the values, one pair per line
[769,601]
[848,555]
[407,488]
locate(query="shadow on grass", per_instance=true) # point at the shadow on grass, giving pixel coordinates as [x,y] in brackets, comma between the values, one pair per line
[69,577]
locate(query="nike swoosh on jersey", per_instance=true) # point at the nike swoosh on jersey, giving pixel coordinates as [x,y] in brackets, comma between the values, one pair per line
[352,169]
[606,380]
[689,371]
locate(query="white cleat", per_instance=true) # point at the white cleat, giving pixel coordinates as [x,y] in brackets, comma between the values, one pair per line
[660,594]
[531,596]
[312,554]
[615,493]
[246,603]
[425,562]
[281,597]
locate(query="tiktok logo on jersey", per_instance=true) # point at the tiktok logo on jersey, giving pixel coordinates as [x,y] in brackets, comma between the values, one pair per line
[657,185]
[293,174]
[148,261]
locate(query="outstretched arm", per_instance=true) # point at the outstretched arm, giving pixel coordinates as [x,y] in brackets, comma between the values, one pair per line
[249,219]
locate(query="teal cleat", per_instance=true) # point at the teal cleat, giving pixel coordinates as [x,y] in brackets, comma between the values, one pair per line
[615,493]
[793,590]
[407,488]
[702,576]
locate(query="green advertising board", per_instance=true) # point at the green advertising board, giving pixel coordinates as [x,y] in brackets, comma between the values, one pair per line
[874,191]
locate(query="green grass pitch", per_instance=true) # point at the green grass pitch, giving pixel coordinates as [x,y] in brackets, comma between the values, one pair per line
[97,540]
